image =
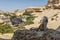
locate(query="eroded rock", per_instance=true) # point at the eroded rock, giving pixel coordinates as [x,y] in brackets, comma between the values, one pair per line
[37,34]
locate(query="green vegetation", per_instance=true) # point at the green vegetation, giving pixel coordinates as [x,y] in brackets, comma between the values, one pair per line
[29,18]
[9,29]
[6,29]
[27,13]
[21,26]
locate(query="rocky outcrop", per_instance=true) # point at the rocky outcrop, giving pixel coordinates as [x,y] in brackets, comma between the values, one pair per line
[55,4]
[51,10]
[4,19]
[28,35]
[35,9]
[33,34]
[15,20]
[36,35]
[17,12]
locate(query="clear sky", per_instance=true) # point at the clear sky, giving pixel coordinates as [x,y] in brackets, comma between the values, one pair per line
[7,5]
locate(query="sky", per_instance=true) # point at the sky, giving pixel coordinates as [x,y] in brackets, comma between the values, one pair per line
[7,5]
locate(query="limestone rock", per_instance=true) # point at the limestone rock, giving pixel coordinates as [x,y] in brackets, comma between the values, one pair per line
[55,4]
[17,12]
[35,9]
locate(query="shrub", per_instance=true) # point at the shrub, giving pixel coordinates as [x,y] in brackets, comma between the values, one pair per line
[21,26]
[7,14]
[27,13]
[29,20]
[52,19]
[6,29]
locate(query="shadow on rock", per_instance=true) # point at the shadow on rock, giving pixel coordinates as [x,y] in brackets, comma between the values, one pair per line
[40,33]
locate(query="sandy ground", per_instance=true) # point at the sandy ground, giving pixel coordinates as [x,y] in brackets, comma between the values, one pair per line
[6,36]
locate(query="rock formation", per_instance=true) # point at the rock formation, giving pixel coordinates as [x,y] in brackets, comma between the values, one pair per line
[53,4]
[43,25]
[38,30]
[15,20]
[34,34]
[35,9]
[17,12]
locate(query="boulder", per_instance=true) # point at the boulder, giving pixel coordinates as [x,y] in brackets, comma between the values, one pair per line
[15,20]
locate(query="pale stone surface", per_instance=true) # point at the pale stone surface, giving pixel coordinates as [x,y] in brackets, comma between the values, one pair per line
[52,24]
[6,36]
[51,10]
[53,4]
[35,9]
